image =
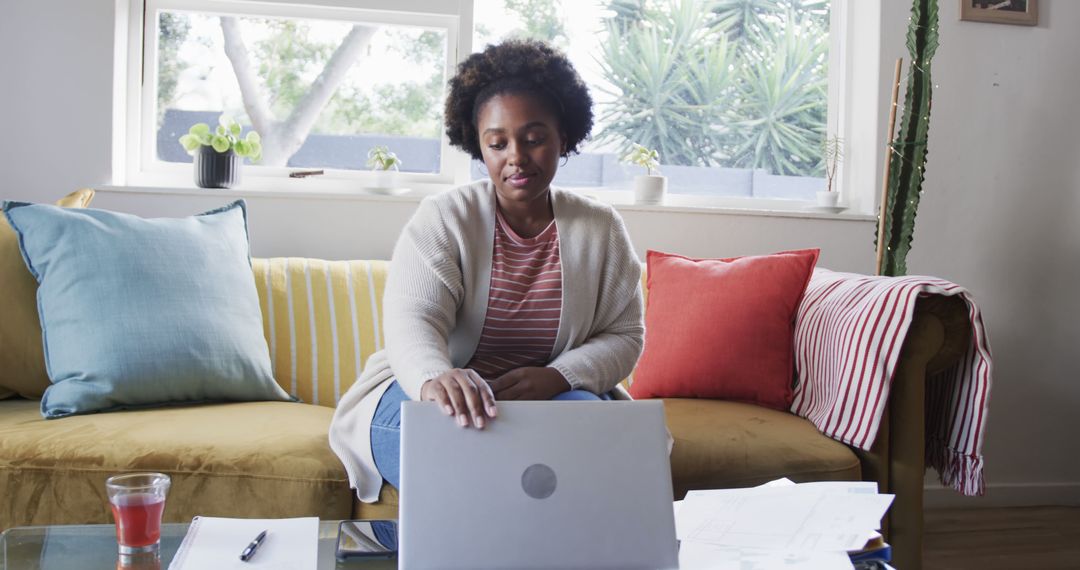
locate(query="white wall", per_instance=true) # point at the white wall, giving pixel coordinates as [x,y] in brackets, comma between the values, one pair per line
[55,96]
[998,216]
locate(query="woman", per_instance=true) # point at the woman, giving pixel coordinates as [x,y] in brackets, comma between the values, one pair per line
[504,289]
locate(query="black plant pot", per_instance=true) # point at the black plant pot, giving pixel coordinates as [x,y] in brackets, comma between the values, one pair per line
[215,169]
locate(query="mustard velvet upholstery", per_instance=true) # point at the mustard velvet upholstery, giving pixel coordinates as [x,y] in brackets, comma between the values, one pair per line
[22,356]
[322,320]
[250,459]
[385,508]
[720,444]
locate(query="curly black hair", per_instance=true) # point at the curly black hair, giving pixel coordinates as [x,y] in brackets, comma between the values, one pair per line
[520,67]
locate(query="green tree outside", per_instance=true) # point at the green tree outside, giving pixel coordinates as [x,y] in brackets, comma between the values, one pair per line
[172,33]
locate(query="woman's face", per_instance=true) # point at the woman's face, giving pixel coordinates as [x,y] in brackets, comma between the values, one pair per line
[521,142]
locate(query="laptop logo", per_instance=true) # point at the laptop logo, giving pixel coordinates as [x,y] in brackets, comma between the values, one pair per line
[538,481]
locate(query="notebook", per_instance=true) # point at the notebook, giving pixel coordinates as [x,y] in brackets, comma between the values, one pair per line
[211,542]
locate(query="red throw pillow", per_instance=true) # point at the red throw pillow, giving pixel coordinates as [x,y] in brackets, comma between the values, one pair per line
[722,328]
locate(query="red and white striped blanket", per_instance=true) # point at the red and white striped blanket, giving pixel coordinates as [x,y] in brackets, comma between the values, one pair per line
[848,333]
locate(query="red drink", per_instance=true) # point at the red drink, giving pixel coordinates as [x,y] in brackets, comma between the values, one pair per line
[137,501]
[138,518]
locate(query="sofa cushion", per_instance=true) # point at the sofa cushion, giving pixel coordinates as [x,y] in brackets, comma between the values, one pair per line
[141,312]
[254,459]
[22,361]
[722,328]
[322,320]
[721,444]
[385,508]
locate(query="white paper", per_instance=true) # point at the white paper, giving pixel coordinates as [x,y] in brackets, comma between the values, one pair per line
[788,518]
[211,542]
[849,487]
[701,556]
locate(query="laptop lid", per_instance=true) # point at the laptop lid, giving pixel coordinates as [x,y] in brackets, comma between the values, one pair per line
[544,485]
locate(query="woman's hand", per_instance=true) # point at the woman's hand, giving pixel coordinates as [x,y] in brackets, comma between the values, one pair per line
[530,383]
[462,393]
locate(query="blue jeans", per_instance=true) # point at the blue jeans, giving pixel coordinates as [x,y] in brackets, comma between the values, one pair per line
[386,429]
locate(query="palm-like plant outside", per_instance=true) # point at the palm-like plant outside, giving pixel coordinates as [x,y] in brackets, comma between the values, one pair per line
[719,82]
[671,73]
[738,17]
[780,122]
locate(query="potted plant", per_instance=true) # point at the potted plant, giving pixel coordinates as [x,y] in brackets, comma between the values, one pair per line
[649,188]
[385,165]
[905,166]
[218,153]
[833,152]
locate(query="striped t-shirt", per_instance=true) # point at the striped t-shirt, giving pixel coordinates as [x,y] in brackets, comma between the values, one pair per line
[524,302]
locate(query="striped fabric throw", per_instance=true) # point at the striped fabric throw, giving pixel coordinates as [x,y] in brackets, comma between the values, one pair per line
[848,333]
[322,320]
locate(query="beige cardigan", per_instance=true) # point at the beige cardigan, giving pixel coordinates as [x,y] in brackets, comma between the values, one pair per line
[436,300]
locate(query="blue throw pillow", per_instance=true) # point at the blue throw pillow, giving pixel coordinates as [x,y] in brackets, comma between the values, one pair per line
[142,312]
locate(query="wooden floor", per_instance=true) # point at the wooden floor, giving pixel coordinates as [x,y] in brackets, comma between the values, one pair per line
[1005,538]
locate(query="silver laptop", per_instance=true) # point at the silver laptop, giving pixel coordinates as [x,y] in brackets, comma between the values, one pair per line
[544,485]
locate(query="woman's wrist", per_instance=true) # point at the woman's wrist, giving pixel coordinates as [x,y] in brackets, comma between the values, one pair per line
[556,380]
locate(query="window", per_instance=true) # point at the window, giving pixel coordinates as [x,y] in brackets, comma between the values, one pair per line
[322,86]
[733,94]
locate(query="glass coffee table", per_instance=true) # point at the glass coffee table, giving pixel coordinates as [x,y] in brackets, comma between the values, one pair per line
[93,547]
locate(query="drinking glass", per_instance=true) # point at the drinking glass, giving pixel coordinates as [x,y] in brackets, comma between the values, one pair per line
[137,501]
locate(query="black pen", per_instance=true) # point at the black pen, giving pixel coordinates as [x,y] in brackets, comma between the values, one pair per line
[251,548]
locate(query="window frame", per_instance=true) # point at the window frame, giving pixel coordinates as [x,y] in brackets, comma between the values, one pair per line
[138,149]
[135,84]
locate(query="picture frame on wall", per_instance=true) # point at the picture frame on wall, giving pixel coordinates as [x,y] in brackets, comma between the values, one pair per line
[1019,12]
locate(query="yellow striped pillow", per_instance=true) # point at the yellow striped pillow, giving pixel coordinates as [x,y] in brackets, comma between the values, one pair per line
[322,320]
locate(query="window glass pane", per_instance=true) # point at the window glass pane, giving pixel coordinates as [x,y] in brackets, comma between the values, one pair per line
[732,93]
[320,93]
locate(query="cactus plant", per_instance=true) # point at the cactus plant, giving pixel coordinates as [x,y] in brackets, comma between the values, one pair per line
[908,149]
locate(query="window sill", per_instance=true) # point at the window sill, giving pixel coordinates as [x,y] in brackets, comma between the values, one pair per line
[790,210]
[276,194]
[736,211]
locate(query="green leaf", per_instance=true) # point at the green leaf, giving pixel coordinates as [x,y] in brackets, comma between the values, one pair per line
[381,158]
[253,137]
[220,143]
[225,121]
[199,129]
[241,148]
[189,142]
[220,131]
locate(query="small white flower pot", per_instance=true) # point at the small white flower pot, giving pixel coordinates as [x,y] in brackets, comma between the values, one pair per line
[386,179]
[649,189]
[826,199]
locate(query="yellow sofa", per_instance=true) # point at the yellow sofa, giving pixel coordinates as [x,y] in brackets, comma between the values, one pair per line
[321,320]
